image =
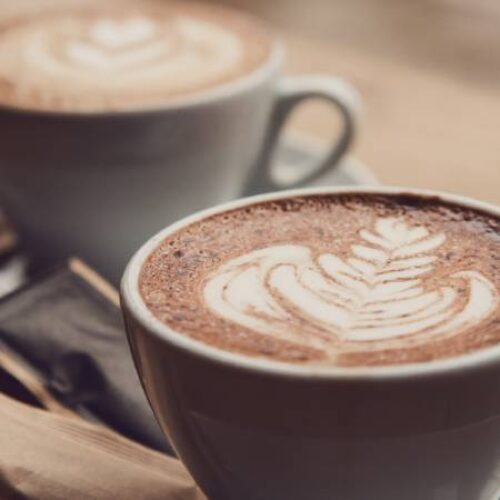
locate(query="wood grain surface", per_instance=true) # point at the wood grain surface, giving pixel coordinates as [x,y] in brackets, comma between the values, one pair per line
[49,456]
[429,76]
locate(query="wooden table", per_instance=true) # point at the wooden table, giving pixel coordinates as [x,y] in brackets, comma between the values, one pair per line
[429,75]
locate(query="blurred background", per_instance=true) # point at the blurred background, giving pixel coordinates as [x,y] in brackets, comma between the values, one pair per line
[429,75]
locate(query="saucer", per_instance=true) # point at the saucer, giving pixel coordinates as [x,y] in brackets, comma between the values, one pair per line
[299,153]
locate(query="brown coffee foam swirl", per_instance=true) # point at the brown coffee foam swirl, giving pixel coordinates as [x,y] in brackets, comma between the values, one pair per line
[318,280]
[92,59]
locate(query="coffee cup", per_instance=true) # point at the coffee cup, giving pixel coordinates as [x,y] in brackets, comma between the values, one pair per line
[102,146]
[411,412]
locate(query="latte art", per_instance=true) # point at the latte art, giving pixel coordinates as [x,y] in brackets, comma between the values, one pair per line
[110,45]
[185,48]
[120,55]
[376,295]
[333,280]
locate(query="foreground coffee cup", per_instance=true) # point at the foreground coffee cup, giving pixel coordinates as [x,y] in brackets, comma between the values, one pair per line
[120,117]
[325,343]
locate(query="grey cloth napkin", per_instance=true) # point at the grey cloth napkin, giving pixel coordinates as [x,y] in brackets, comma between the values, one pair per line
[72,335]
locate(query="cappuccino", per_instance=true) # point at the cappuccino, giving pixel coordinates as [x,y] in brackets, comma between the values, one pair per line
[340,280]
[122,55]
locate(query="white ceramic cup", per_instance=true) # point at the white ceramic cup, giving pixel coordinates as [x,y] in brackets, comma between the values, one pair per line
[255,429]
[98,184]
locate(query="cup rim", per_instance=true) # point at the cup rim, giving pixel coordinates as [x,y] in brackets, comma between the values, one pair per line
[271,66]
[132,302]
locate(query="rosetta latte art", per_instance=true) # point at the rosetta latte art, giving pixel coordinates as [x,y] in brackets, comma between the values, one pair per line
[377,295]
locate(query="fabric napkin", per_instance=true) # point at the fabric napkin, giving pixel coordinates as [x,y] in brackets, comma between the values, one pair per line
[68,328]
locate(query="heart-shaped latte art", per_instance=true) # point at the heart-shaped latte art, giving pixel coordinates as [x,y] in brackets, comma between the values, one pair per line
[112,34]
[376,295]
[111,45]
[180,49]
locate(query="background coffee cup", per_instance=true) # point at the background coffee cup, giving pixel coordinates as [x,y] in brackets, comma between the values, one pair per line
[258,429]
[97,184]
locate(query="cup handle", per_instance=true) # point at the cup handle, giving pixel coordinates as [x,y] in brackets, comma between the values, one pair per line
[291,92]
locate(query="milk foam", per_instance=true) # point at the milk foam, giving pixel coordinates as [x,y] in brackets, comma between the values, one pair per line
[376,296]
[65,58]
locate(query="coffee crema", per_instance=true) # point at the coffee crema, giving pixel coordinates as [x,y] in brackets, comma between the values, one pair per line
[342,280]
[121,55]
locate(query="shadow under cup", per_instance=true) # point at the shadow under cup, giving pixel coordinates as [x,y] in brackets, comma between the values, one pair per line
[262,430]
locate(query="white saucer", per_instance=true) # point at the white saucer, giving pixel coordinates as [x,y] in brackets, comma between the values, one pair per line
[299,153]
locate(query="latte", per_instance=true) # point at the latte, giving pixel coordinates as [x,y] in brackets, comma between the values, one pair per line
[343,280]
[121,55]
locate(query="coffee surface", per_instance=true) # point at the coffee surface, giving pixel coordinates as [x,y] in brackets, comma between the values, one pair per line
[344,280]
[121,55]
